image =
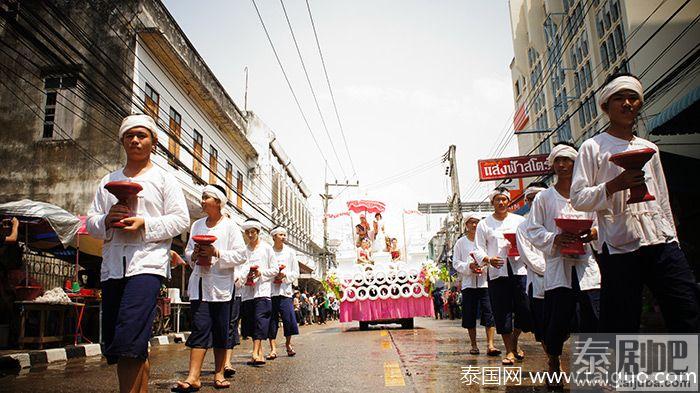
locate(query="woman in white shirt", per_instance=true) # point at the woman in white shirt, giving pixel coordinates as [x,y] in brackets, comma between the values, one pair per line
[282,293]
[136,249]
[507,276]
[256,303]
[211,287]
[475,295]
[638,240]
[571,281]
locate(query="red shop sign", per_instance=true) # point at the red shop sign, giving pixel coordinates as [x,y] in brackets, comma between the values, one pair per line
[513,167]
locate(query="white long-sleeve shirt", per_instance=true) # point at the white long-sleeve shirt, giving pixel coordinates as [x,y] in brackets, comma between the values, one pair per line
[461,259]
[161,204]
[541,230]
[533,260]
[623,227]
[288,258]
[490,242]
[263,256]
[217,279]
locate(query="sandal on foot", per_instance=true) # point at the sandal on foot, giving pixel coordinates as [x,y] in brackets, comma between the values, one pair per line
[290,352]
[229,372]
[184,387]
[271,356]
[474,351]
[222,384]
[508,361]
[520,355]
[493,352]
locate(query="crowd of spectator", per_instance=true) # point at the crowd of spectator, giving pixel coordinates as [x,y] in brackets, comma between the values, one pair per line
[316,307]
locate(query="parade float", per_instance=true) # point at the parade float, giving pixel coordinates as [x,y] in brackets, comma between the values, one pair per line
[380,290]
[384,291]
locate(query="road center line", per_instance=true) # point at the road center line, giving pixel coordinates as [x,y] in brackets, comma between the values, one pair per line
[393,375]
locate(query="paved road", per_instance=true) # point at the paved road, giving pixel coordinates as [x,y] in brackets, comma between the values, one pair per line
[334,357]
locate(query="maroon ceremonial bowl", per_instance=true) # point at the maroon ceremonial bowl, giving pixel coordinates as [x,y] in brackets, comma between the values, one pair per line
[123,190]
[277,280]
[635,159]
[249,282]
[577,226]
[204,240]
[513,250]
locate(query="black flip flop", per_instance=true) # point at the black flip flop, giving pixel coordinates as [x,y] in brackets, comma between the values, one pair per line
[519,356]
[229,372]
[188,388]
[493,352]
[474,351]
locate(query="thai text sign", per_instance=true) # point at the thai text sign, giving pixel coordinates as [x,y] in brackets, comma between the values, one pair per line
[513,167]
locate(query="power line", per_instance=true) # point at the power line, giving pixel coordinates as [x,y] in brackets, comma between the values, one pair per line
[311,87]
[291,89]
[330,89]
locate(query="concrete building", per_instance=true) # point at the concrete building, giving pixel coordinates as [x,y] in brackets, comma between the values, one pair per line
[70,71]
[565,49]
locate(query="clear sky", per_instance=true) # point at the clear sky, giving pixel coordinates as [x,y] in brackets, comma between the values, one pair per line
[410,78]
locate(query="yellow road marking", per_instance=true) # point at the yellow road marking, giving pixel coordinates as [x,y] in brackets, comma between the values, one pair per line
[383,333]
[386,344]
[393,375]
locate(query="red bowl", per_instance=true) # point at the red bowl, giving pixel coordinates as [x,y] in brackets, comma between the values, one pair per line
[204,239]
[577,226]
[633,159]
[513,250]
[123,190]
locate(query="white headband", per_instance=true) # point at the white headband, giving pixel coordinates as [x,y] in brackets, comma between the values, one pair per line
[618,84]
[251,224]
[132,121]
[532,190]
[216,193]
[561,151]
[278,230]
[496,193]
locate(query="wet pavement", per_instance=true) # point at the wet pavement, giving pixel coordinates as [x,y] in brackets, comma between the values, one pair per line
[334,357]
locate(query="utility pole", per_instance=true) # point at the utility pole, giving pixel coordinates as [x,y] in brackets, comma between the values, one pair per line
[455,202]
[326,196]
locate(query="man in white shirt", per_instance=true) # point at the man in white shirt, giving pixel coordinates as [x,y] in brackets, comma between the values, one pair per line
[507,275]
[639,243]
[135,258]
[475,295]
[282,292]
[256,306]
[572,282]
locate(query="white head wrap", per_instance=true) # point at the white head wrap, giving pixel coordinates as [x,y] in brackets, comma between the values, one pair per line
[532,190]
[277,230]
[497,192]
[216,193]
[132,121]
[561,151]
[618,84]
[251,223]
[471,215]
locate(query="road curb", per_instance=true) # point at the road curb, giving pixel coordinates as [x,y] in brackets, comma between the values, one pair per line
[170,338]
[28,359]
[42,357]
